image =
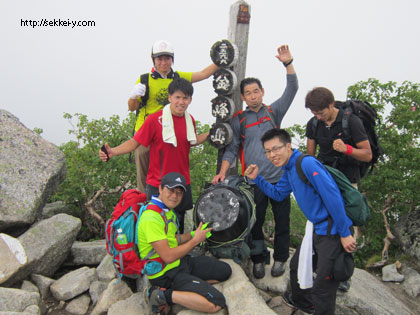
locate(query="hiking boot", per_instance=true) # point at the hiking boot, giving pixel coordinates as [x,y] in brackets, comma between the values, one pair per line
[344,285]
[156,302]
[278,268]
[259,270]
[287,299]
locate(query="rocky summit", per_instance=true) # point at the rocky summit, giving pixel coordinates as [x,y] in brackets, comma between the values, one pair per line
[44,269]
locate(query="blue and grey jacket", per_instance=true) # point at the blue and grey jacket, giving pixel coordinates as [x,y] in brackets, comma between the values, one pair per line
[254,151]
[318,202]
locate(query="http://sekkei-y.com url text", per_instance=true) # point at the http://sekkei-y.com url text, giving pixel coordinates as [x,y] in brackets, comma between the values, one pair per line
[56,23]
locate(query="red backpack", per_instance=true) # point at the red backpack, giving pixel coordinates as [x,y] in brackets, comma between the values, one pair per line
[121,234]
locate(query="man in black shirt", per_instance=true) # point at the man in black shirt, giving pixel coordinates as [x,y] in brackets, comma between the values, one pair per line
[336,150]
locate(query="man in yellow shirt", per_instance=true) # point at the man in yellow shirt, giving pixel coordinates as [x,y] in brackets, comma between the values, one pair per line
[176,277]
[149,97]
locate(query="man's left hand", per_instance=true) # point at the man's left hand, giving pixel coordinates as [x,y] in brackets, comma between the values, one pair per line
[339,146]
[284,54]
[349,243]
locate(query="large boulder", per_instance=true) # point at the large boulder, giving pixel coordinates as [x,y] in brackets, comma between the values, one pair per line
[47,245]
[87,253]
[407,231]
[31,169]
[16,300]
[73,283]
[368,295]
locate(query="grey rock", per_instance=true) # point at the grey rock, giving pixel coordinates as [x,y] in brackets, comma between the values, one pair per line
[53,208]
[33,310]
[43,283]
[106,270]
[29,286]
[13,257]
[276,285]
[86,253]
[369,295]
[411,283]
[116,291]
[79,305]
[275,301]
[241,295]
[73,283]
[47,244]
[135,304]
[390,273]
[95,290]
[267,297]
[284,309]
[31,170]
[16,300]
[407,232]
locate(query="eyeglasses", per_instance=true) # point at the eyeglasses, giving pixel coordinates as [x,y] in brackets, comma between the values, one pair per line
[274,149]
[177,191]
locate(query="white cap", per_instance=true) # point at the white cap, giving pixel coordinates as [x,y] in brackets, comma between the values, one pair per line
[162,47]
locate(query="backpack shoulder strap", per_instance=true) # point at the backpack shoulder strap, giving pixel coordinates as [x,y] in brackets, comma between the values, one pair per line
[144,79]
[299,170]
[314,126]
[156,208]
[270,114]
[176,75]
[347,110]
[242,118]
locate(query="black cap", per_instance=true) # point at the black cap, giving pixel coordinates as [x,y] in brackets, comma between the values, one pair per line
[172,180]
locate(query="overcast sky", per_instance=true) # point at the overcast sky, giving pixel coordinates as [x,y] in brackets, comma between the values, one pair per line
[46,71]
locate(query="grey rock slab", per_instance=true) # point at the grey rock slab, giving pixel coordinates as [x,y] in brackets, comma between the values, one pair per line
[16,300]
[79,305]
[73,283]
[31,169]
[134,305]
[47,244]
[13,257]
[87,253]
[369,295]
[116,291]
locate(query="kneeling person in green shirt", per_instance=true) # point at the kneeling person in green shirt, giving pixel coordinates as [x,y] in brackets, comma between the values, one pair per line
[184,280]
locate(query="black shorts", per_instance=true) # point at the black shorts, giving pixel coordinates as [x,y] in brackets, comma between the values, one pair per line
[191,276]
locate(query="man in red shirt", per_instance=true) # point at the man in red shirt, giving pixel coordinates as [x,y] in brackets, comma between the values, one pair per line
[169,134]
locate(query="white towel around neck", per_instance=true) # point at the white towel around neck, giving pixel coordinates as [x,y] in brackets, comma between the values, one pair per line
[168,130]
[305,271]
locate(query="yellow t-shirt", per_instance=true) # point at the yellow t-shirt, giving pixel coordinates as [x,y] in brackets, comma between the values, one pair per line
[158,96]
[151,228]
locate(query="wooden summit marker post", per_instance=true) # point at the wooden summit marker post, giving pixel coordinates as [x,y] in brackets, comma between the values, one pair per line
[226,80]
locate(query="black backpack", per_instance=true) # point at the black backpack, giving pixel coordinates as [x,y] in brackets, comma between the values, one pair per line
[231,229]
[370,120]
